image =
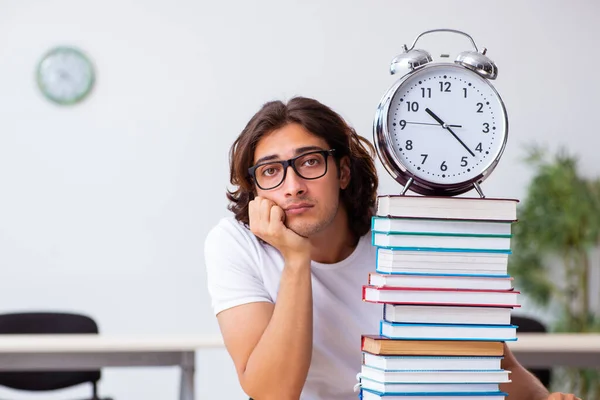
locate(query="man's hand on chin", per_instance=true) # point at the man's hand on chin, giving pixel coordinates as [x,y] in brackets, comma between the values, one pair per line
[562,396]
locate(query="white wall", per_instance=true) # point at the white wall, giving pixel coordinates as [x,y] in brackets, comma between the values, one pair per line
[104,206]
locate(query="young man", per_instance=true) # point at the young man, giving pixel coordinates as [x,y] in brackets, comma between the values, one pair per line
[285,273]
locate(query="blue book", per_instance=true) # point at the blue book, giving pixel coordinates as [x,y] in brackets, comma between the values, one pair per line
[433,226]
[448,363]
[429,314]
[441,262]
[366,394]
[441,242]
[491,333]
[417,388]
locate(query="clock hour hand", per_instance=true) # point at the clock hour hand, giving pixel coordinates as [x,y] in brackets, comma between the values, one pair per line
[443,124]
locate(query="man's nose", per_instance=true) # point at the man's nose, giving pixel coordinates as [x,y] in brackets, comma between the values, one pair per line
[293,184]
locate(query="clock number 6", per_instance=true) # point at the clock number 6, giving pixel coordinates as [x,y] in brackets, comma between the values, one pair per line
[443,167]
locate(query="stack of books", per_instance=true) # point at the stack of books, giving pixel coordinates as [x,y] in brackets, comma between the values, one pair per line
[441,277]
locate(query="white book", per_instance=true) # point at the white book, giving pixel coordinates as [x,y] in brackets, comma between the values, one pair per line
[482,298]
[495,333]
[466,208]
[468,243]
[440,281]
[417,258]
[372,395]
[420,225]
[435,376]
[446,314]
[428,387]
[431,362]
[441,262]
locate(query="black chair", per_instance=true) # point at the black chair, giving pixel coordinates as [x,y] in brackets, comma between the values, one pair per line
[525,324]
[48,323]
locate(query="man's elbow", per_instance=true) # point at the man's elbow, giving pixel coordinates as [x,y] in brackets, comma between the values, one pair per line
[270,388]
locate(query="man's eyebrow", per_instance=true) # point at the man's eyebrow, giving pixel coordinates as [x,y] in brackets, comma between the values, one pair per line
[297,151]
[306,149]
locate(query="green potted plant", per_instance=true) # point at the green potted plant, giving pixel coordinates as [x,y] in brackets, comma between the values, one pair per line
[557,233]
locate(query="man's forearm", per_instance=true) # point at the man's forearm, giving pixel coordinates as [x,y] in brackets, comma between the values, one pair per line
[524,385]
[278,365]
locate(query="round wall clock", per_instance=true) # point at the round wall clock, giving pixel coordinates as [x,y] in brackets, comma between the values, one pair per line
[65,75]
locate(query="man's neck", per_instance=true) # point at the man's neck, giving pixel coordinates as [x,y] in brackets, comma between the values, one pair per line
[334,243]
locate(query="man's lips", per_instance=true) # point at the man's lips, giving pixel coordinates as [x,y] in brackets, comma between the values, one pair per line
[298,208]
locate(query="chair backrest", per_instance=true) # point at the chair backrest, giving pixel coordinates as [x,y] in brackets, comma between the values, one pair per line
[526,324]
[47,323]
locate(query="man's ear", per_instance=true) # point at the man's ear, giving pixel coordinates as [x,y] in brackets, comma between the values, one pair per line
[344,172]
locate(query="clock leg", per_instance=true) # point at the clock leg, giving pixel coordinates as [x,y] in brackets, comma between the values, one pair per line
[408,183]
[478,188]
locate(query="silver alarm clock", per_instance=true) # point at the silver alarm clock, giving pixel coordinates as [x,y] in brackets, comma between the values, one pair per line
[441,129]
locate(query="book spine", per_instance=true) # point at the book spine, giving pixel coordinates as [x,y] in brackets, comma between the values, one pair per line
[445,249]
[426,289]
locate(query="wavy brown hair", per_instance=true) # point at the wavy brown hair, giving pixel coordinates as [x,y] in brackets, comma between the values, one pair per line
[359,197]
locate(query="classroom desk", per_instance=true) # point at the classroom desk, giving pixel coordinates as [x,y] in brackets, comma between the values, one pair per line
[68,352]
[64,352]
[557,349]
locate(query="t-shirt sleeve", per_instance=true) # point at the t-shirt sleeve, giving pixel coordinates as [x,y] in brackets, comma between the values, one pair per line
[231,265]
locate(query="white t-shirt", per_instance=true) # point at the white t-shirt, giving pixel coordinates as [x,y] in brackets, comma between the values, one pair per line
[241,269]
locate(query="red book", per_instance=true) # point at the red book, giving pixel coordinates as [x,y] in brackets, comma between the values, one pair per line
[439,296]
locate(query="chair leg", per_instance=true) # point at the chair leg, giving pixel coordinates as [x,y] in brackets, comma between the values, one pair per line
[95,393]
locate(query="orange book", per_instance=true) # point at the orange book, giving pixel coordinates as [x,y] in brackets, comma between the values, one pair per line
[381,345]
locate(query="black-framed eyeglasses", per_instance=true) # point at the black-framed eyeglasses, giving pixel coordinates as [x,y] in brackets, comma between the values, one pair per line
[311,165]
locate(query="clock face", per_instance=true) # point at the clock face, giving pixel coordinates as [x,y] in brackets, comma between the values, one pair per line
[446,124]
[65,75]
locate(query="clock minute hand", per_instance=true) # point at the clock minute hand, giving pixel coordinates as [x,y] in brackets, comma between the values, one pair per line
[427,123]
[443,124]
